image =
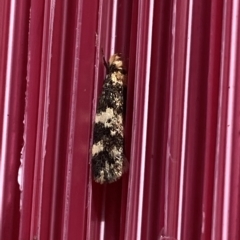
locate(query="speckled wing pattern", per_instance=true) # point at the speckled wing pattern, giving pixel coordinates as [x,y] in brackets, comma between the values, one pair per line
[108,160]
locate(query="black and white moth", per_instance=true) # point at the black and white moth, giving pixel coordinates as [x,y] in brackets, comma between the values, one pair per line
[108,160]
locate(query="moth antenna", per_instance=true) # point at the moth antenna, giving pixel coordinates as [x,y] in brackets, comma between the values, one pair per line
[104,61]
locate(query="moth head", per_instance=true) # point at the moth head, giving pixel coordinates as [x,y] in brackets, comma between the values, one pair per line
[116,60]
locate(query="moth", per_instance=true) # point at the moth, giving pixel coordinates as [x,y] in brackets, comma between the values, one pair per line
[108,159]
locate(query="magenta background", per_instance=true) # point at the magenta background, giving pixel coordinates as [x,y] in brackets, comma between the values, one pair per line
[56,76]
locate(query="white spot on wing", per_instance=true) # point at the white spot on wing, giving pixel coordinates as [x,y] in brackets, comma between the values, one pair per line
[103,117]
[97,147]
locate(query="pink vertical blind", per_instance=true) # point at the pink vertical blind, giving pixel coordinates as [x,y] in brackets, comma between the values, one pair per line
[182,130]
